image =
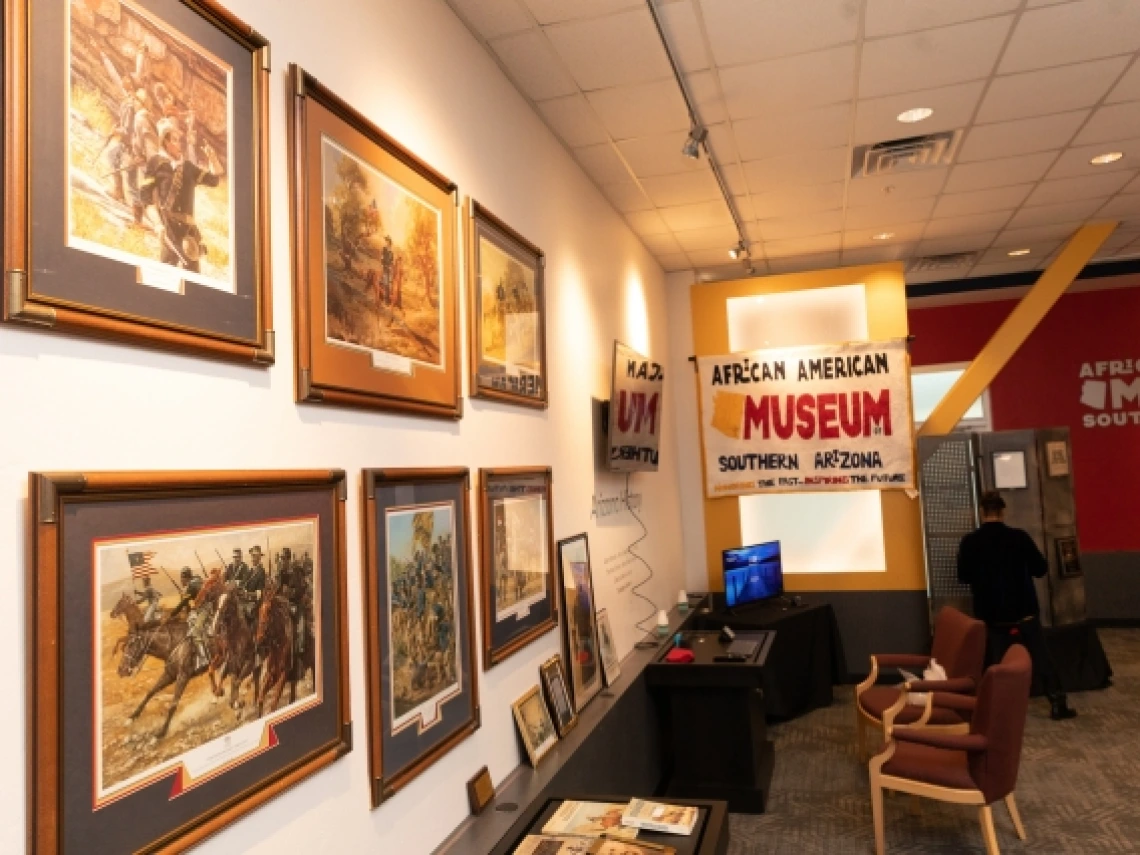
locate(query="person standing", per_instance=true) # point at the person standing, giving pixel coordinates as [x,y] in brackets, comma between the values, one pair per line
[999,563]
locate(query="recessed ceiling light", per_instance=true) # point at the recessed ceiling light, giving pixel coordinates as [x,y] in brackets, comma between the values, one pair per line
[916,114]
[883,236]
[1016,252]
[1107,157]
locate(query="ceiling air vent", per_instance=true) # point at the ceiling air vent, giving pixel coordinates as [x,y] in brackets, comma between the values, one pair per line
[949,261]
[905,155]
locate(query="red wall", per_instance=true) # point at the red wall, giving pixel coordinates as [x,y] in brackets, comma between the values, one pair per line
[1042,386]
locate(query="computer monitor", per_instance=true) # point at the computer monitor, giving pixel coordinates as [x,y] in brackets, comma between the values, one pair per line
[753,573]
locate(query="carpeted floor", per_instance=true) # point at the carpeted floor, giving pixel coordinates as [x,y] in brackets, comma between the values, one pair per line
[1078,790]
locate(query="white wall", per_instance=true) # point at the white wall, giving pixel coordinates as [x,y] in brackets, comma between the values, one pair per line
[74,404]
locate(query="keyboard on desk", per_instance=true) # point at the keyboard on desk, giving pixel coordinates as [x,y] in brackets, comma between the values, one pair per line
[740,647]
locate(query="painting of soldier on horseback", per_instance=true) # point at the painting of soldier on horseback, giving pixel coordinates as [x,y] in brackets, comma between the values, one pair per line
[200,633]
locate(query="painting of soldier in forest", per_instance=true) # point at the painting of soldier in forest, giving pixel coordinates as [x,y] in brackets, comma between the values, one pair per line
[423,601]
[509,306]
[383,264]
[149,143]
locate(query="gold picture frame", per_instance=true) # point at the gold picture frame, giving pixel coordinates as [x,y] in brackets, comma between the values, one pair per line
[536,728]
[558,696]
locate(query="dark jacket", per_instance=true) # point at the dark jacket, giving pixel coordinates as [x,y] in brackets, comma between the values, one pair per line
[999,564]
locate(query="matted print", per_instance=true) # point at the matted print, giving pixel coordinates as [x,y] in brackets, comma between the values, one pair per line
[375,261]
[422,693]
[581,627]
[557,695]
[508,312]
[190,651]
[535,726]
[611,664]
[146,216]
[518,598]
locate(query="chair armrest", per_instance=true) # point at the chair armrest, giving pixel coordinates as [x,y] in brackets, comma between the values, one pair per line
[901,660]
[973,743]
[957,685]
[951,701]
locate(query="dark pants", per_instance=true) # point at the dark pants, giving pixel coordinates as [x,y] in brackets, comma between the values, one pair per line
[1029,634]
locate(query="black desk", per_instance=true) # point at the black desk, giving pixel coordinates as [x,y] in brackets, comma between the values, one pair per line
[713,714]
[806,659]
[710,837]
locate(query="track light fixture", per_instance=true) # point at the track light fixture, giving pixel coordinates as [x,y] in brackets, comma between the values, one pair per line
[697,136]
[739,251]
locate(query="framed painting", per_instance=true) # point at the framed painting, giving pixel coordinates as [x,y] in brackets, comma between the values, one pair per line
[519,600]
[507,312]
[188,647]
[611,665]
[579,620]
[558,695]
[423,698]
[535,727]
[375,260]
[146,217]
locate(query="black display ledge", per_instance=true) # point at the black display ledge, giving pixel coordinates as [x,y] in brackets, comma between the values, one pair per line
[615,748]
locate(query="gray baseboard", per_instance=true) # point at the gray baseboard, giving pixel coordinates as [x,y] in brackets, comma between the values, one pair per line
[877,622]
[1112,587]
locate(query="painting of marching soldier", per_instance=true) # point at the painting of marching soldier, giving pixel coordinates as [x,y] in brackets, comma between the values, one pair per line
[508,317]
[199,634]
[581,627]
[150,136]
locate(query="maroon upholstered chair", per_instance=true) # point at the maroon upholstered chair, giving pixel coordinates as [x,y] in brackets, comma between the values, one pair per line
[976,768]
[959,647]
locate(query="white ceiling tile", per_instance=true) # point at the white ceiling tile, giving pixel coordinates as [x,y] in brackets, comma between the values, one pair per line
[1113,122]
[900,234]
[602,164]
[1133,186]
[723,143]
[642,109]
[981,201]
[888,212]
[671,263]
[876,119]
[626,197]
[971,225]
[799,227]
[1071,32]
[684,188]
[659,155]
[953,244]
[1036,234]
[704,89]
[699,216]
[999,172]
[1125,207]
[1035,3]
[932,58]
[922,277]
[820,167]
[878,189]
[728,272]
[684,34]
[709,257]
[801,263]
[646,223]
[1118,240]
[663,244]
[533,66]
[1010,266]
[743,31]
[1049,215]
[1128,89]
[877,254]
[889,17]
[553,11]
[1051,90]
[573,121]
[1038,251]
[744,208]
[1022,136]
[803,246]
[613,51]
[1084,187]
[789,84]
[718,237]
[1075,161]
[762,137]
[791,201]
[492,18]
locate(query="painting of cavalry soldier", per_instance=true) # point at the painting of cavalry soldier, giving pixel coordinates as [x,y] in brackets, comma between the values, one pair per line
[200,633]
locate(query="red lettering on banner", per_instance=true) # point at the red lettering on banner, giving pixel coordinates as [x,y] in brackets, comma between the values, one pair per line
[805,412]
[636,410]
[877,413]
[828,429]
[784,427]
[851,414]
[756,415]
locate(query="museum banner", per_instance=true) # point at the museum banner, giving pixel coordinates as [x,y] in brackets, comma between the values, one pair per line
[819,418]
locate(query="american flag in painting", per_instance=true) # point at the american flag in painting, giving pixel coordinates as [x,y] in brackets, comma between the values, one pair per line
[140,564]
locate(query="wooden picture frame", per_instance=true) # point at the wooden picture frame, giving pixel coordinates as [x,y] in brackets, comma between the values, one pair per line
[611,664]
[516,502]
[376,316]
[98,536]
[497,252]
[579,621]
[558,697]
[159,97]
[536,728]
[416,520]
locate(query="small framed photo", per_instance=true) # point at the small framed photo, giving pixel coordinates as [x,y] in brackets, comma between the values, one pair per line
[1057,458]
[189,642]
[423,697]
[558,695]
[519,598]
[579,620]
[507,311]
[535,726]
[611,665]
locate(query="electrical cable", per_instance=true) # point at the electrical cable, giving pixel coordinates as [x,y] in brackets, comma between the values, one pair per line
[644,534]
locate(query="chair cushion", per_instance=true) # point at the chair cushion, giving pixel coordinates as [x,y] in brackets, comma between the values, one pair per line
[935,766]
[877,699]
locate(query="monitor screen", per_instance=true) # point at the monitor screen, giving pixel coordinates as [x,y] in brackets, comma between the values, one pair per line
[753,573]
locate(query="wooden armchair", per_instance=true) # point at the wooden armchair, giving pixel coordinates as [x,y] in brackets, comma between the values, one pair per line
[976,768]
[959,646]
